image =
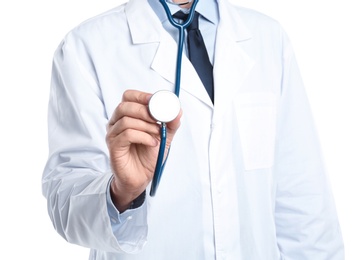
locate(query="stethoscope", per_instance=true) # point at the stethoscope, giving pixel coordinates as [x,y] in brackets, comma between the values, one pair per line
[164,105]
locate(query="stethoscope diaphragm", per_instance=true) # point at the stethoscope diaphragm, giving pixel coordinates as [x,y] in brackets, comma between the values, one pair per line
[164,106]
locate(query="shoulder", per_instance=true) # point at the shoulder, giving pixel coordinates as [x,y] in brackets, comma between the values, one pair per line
[255,19]
[261,27]
[265,32]
[99,25]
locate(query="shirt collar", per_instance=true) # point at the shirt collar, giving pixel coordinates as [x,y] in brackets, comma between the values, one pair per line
[207,8]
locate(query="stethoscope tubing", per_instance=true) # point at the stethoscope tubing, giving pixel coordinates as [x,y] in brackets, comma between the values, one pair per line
[159,162]
[181,28]
[163,129]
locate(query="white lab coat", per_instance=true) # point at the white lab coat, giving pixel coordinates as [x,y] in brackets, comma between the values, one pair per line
[244,178]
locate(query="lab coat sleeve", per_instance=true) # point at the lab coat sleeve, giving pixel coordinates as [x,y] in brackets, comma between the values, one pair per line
[306,220]
[77,173]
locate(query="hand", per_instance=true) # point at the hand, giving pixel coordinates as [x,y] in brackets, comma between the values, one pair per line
[133,138]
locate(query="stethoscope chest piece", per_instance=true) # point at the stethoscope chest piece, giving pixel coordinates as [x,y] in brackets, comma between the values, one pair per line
[164,106]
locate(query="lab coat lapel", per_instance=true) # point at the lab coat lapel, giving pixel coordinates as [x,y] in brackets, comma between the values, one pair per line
[232,64]
[145,28]
[164,63]
[143,23]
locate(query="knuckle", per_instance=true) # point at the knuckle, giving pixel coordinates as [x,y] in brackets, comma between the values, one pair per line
[125,122]
[126,94]
[127,134]
[120,106]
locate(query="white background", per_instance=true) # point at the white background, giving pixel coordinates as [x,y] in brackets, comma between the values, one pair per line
[328,41]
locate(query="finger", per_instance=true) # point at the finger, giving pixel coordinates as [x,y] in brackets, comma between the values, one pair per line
[135,124]
[131,109]
[132,136]
[136,96]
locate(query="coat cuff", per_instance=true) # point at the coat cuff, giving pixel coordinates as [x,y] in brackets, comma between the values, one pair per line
[130,227]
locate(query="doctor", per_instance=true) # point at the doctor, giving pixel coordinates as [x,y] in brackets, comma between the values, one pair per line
[244,178]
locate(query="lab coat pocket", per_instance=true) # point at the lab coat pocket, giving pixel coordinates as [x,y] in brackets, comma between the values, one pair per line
[256,120]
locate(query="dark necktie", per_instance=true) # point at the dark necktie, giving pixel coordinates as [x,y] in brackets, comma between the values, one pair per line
[198,54]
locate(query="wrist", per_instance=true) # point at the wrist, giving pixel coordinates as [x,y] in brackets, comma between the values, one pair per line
[123,199]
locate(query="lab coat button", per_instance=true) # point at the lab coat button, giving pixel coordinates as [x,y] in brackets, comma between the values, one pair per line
[129,218]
